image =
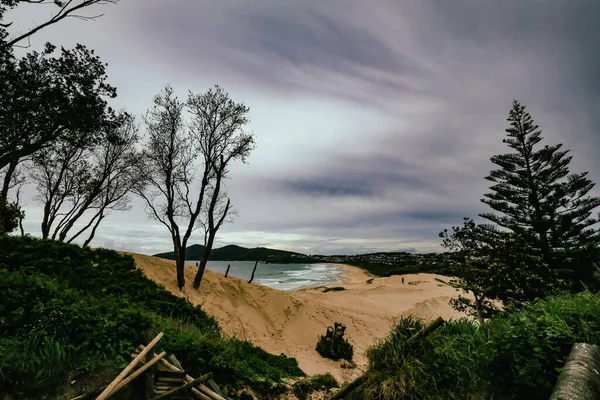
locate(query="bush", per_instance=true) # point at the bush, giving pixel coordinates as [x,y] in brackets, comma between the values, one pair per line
[304,387]
[67,309]
[516,355]
[345,350]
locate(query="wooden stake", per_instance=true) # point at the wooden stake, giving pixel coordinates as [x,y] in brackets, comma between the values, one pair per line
[106,393]
[188,385]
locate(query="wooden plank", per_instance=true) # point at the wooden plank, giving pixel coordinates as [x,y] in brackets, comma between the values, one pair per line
[106,393]
[187,386]
[201,391]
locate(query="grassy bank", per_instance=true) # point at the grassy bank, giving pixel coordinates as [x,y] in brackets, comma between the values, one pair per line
[68,312]
[518,355]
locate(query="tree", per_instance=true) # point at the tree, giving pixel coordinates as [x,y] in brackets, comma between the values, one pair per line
[45,99]
[66,8]
[217,125]
[174,194]
[536,196]
[76,178]
[494,265]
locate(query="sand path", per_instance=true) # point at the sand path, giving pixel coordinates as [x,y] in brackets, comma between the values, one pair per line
[290,322]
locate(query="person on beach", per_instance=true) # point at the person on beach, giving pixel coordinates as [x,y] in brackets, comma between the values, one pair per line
[403,280]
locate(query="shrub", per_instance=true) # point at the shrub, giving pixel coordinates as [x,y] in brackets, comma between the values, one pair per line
[67,309]
[344,351]
[515,355]
[304,387]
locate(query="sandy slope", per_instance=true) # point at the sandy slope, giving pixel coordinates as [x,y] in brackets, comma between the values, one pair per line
[290,322]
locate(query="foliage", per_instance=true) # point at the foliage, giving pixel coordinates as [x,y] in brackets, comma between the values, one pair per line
[345,350]
[513,355]
[304,387]
[536,197]
[87,306]
[45,99]
[13,213]
[493,265]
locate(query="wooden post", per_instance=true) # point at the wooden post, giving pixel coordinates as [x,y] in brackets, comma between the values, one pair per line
[253,271]
[106,393]
[432,326]
[580,377]
[187,386]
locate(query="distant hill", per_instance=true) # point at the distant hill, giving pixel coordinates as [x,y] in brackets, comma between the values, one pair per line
[239,253]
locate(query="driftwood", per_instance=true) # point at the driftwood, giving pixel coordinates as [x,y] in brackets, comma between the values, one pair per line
[253,271]
[187,386]
[140,357]
[580,377]
[432,326]
[201,392]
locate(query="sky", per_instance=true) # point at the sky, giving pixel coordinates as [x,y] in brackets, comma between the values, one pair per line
[374,121]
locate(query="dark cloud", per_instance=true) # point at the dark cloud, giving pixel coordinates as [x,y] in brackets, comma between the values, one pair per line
[445,73]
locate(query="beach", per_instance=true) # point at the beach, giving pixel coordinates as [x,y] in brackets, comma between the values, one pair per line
[290,322]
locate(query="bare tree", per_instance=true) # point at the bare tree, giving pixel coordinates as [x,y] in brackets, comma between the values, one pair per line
[186,164]
[65,9]
[217,126]
[75,179]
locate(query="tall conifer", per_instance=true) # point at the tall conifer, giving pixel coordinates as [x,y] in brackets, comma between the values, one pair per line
[535,195]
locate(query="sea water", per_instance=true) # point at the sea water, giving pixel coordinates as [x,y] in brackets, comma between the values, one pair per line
[279,276]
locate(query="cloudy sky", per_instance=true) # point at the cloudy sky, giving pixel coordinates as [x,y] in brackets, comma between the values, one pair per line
[374,120]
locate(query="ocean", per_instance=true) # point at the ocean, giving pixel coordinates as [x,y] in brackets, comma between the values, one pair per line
[279,276]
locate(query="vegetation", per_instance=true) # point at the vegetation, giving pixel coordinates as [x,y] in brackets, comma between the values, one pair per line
[494,266]
[68,310]
[304,387]
[536,197]
[512,356]
[235,253]
[344,350]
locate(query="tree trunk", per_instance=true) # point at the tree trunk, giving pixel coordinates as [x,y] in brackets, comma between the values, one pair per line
[4,195]
[579,379]
[227,272]
[180,266]
[204,260]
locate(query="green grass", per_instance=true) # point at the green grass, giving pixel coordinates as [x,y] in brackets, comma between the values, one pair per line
[68,310]
[304,387]
[515,355]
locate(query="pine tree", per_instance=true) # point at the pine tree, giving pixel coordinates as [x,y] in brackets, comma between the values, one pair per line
[536,196]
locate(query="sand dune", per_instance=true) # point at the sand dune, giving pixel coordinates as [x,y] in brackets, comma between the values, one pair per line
[290,322]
